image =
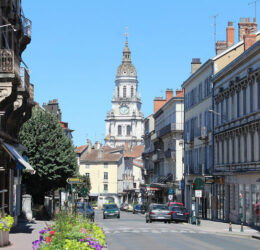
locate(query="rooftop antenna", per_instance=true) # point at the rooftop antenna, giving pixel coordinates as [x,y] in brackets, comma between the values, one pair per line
[254,2]
[215,29]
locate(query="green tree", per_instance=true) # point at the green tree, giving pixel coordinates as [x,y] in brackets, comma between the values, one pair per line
[49,151]
[84,184]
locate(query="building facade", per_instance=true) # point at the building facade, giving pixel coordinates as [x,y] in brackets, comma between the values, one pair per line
[16,102]
[237,137]
[104,166]
[198,128]
[124,122]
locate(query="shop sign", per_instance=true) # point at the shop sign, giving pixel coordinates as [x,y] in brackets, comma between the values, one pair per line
[198,193]
[152,188]
[170,191]
[170,197]
[181,185]
[74,180]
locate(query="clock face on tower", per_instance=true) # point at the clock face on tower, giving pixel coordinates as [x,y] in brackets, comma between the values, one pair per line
[124,109]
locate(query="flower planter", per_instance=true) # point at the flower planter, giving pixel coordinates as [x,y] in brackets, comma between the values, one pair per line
[4,238]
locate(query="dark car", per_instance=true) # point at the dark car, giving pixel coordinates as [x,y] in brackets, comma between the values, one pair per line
[179,214]
[175,204]
[111,210]
[86,210]
[139,209]
[158,212]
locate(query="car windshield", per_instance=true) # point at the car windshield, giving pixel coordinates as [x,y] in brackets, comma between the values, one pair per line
[178,209]
[111,206]
[159,207]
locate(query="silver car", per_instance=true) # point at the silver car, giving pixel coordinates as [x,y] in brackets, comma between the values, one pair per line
[159,212]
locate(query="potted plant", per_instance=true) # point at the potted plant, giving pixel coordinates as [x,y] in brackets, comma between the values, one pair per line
[6,223]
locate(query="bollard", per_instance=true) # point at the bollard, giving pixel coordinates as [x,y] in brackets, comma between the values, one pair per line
[242,228]
[230,227]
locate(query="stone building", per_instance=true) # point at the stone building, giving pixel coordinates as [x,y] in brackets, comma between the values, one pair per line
[237,137]
[198,124]
[124,122]
[16,102]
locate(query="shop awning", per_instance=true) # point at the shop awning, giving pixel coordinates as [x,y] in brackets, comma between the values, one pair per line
[16,156]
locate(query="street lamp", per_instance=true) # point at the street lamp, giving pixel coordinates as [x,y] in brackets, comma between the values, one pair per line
[7,25]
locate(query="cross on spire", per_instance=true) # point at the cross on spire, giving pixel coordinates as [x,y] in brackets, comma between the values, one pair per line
[126,33]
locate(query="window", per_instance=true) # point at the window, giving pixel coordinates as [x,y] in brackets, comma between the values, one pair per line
[251,98]
[105,187]
[87,175]
[252,147]
[128,130]
[222,111]
[124,91]
[227,109]
[232,107]
[105,175]
[238,104]
[134,185]
[244,101]
[105,165]
[245,147]
[117,91]
[119,132]
[205,88]
[217,117]
[227,151]
[258,93]
[233,150]
[238,149]
[132,91]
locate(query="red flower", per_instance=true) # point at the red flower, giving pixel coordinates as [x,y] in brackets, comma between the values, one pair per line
[48,239]
[51,233]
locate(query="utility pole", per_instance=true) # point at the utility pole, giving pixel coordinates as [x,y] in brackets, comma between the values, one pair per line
[254,2]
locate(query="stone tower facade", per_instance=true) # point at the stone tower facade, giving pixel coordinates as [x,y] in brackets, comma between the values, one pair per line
[124,122]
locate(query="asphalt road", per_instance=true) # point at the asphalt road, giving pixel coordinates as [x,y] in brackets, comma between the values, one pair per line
[131,232]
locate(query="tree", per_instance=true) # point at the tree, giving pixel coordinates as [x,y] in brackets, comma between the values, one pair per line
[49,151]
[85,184]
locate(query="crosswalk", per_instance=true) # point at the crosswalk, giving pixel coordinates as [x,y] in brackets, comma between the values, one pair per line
[150,230]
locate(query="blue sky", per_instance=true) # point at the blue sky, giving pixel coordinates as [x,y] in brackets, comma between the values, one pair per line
[77,46]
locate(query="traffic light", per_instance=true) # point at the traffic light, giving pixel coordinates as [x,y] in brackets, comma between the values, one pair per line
[193,186]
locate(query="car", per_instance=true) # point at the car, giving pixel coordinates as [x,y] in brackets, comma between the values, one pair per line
[175,204]
[179,214]
[123,206]
[158,212]
[130,208]
[86,210]
[111,210]
[139,209]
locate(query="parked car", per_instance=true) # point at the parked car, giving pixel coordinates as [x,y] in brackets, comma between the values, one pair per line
[175,204]
[111,210]
[86,210]
[139,209]
[123,206]
[179,214]
[159,212]
[130,208]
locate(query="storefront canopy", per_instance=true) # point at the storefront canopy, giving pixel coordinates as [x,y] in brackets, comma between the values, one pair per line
[16,156]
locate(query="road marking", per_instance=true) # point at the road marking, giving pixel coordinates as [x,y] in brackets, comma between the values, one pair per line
[155,232]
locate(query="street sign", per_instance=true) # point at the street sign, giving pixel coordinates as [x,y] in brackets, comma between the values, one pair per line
[198,183]
[74,180]
[83,192]
[170,197]
[198,193]
[170,191]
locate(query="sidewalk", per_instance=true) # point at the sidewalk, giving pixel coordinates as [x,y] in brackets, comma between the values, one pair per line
[223,228]
[22,236]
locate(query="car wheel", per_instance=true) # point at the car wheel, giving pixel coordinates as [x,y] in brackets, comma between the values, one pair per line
[133,212]
[169,221]
[146,221]
[150,220]
[104,217]
[118,217]
[165,221]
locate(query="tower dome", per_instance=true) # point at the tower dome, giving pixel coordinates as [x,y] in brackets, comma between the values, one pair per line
[126,68]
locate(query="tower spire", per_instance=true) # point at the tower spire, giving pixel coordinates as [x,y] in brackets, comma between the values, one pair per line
[126,51]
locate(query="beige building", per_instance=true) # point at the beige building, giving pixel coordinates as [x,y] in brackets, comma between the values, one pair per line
[237,137]
[104,166]
[199,118]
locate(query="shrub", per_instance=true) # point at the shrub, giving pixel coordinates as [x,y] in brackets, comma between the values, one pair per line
[6,223]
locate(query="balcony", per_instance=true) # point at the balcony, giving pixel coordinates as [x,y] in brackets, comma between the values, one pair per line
[169,128]
[238,167]
[27,32]
[25,79]
[155,157]
[9,63]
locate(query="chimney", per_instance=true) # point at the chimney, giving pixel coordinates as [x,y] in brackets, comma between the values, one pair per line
[245,27]
[180,93]
[230,34]
[195,64]
[97,145]
[169,94]
[158,102]
[249,40]
[89,144]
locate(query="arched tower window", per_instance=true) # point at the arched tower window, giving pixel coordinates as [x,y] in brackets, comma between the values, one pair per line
[117,91]
[128,130]
[119,130]
[124,91]
[132,91]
